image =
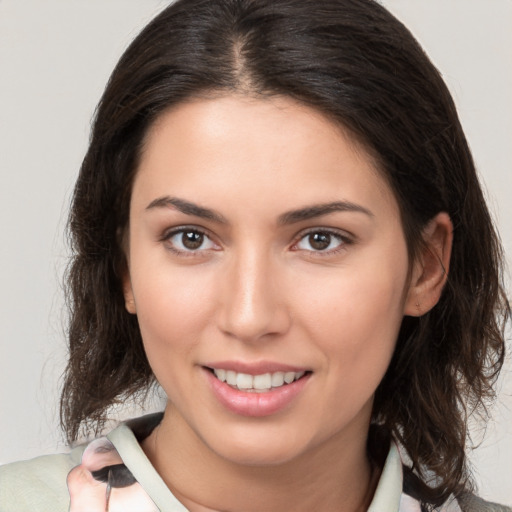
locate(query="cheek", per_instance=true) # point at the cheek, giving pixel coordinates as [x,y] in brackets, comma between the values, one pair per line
[172,310]
[173,306]
[356,328]
[355,319]
[354,306]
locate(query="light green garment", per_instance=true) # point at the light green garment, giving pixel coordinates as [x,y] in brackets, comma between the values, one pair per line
[40,485]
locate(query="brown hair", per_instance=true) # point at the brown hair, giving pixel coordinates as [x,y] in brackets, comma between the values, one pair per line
[353,61]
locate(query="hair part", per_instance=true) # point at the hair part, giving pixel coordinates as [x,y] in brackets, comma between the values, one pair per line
[354,62]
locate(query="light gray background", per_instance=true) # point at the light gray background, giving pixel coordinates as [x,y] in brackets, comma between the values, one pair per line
[55,58]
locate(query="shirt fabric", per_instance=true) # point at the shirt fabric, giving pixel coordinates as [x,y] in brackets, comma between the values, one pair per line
[113,473]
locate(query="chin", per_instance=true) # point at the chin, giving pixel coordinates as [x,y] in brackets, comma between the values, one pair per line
[243,448]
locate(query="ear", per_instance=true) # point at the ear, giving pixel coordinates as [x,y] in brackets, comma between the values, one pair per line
[129,300]
[430,269]
[124,271]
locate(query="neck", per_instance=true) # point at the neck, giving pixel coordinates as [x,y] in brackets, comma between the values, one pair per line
[337,475]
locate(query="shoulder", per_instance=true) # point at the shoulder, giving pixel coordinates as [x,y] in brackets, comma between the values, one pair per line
[38,485]
[51,483]
[470,503]
[465,502]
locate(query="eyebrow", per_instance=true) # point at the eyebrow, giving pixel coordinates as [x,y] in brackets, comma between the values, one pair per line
[187,208]
[290,217]
[317,210]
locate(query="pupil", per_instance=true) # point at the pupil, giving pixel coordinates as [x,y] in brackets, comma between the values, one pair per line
[320,241]
[192,240]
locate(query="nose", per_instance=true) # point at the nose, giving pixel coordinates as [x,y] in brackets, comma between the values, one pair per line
[253,300]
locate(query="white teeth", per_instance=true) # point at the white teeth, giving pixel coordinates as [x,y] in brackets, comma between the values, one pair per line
[289,377]
[243,381]
[220,374]
[263,382]
[277,379]
[231,378]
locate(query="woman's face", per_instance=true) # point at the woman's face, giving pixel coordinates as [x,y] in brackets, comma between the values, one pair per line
[264,247]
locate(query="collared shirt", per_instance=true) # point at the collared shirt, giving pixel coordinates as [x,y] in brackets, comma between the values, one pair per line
[113,473]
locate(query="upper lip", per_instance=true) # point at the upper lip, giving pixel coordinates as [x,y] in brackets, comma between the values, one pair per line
[255,368]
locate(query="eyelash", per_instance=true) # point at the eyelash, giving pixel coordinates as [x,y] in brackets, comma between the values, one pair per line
[168,235]
[344,240]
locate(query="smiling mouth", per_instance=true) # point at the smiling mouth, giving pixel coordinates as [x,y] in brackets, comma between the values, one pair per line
[257,383]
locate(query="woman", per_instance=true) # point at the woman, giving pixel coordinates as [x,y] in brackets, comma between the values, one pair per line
[278,220]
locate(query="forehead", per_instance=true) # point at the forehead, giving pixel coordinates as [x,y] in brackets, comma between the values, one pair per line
[223,148]
[214,116]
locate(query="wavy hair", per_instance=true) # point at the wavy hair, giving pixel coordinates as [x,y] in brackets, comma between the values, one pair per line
[357,64]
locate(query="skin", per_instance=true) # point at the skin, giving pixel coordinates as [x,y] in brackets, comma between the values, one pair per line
[258,290]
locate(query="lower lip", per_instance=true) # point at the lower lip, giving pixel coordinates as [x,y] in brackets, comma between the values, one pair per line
[255,404]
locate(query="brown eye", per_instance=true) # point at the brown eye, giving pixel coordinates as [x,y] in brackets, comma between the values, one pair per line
[192,240]
[319,241]
[322,241]
[185,240]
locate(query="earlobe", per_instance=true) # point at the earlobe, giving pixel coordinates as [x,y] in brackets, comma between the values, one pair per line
[430,270]
[129,300]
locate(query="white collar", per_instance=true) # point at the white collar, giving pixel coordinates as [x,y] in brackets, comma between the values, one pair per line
[388,495]
[389,489]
